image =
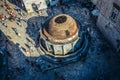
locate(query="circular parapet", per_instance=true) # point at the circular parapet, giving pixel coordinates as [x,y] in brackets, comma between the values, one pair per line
[71,57]
[3,66]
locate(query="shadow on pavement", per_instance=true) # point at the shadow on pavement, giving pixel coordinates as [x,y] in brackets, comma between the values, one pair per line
[34,25]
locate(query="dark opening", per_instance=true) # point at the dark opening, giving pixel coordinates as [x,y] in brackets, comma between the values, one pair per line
[60,19]
[67,32]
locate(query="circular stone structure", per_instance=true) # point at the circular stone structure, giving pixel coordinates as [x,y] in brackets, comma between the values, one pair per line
[60,41]
[3,66]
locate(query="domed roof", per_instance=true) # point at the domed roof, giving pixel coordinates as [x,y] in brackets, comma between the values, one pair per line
[60,27]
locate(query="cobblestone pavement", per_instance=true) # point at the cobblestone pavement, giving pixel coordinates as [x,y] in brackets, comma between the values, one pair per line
[101,63]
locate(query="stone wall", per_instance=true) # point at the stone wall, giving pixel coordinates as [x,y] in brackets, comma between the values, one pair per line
[110,29]
[41,4]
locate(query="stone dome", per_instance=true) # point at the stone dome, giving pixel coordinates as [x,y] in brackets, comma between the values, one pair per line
[60,41]
[61,27]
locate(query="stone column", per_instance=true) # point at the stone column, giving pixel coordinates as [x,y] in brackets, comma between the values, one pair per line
[67,48]
[47,46]
[58,50]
